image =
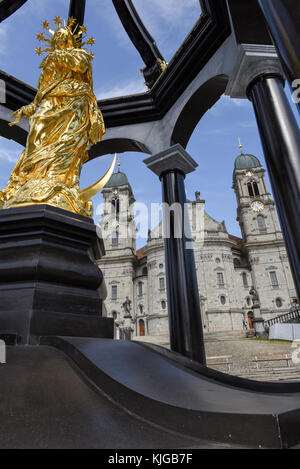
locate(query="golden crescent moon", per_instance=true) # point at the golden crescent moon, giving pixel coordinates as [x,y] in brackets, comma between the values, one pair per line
[91,191]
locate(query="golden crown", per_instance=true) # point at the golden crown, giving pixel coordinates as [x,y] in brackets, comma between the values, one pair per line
[78,33]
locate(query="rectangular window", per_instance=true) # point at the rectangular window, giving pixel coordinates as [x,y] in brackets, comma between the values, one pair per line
[115,239]
[245,280]
[114,292]
[162,283]
[261,222]
[140,288]
[274,280]
[220,278]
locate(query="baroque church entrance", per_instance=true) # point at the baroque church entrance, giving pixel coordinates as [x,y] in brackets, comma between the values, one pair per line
[250,319]
[142,328]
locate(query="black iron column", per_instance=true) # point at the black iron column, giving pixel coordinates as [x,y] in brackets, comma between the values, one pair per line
[280,137]
[77,10]
[186,333]
[283,19]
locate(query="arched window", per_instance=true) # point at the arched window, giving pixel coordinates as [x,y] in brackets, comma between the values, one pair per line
[261,222]
[145,271]
[163,304]
[115,206]
[142,327]
[223,300]
[250,189]
[278,302]
[245,279]
[115,315]
[253,189]
[248,301]
[141,308]
[220,278]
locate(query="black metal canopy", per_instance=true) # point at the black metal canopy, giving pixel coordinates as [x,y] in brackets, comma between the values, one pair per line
[8,7]
[209,32]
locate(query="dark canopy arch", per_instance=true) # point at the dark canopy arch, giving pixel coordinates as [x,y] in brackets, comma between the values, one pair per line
[116,145]
[202,100]
[15,133]
[8,7]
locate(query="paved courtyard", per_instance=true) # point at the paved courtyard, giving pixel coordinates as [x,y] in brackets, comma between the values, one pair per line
[243,350]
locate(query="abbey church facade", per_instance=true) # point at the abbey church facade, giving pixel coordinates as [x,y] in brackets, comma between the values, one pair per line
[229,268]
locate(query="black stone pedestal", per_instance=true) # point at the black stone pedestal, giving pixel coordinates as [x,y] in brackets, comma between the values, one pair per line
[48,281]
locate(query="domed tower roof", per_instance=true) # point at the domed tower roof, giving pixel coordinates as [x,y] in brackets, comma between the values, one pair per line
[117,179]
[246,162]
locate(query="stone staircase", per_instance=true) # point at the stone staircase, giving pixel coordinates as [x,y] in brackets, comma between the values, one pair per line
[272,374]
[224,336]
[292,316]
[163,340]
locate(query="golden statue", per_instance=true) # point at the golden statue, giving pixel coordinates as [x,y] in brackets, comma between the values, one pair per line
[64,121]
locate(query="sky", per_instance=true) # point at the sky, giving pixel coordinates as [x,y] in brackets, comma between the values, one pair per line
[116,72]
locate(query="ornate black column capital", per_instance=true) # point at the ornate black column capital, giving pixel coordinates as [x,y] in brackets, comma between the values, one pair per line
[283,19]
[253,61]
[174,158]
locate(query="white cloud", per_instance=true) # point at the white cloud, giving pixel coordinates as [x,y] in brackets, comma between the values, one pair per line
[248,125]
[169,11]
[9,155]
[10,151]
[227,102]
[169,21]
[122,89]
[4,34]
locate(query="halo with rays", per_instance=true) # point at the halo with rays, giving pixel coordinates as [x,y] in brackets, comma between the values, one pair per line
[78,33]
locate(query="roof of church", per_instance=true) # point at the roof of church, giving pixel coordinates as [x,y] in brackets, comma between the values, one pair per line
[238,241]
[246,162]
[140,253]
[117,179]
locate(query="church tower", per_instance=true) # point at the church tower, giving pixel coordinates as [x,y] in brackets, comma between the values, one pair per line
[256,210]
[119,235]
[117,222]
[262,238]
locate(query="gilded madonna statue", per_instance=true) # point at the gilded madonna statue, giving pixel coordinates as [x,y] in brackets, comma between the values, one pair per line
[64,121]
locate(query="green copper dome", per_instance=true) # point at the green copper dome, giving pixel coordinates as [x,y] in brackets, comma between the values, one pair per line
[246,162]
[117,179]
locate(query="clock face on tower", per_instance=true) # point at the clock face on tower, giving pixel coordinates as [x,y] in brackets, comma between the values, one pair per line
[257,206]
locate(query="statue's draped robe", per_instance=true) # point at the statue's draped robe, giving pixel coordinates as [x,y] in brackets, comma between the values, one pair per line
[65,122]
